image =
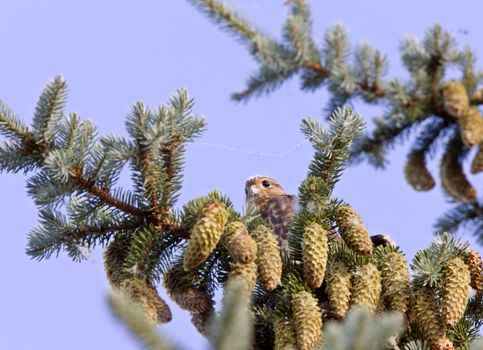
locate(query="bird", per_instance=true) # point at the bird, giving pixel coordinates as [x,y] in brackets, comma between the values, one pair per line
[277,208]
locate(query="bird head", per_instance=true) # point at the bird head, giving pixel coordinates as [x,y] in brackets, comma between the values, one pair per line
[260,188]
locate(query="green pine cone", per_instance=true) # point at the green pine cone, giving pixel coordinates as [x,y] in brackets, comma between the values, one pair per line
[205,234]
[315,248]
[477,163]
[114,257]
[201,321]
[353,230]
[269,260]
[193,300]
[234,228]
[338,288]
[366,287]
[146,296]
[471,127]
[454,181]
[455,98]
[424,312]
[246,271]
[456,284]
[285,337]
[417,174]
[473,260]
[307,320]
[395,282]
[241,246]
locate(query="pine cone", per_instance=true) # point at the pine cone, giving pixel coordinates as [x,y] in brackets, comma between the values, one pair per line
[241,246]
[443,343]
[353,230]
[307,320]
[285,337]
[477,163]
[246,271]
[424,311]
[269,261]
[146,296]
[478,96]
[455,98]
[417,174]
[473,260]
[233,228]
[201,321]
[471,127]
[456,283]
[205,234]
[454,180]
[193,300]
[114,257]
[315,250]
[395,282]
[338,288]
[366,287]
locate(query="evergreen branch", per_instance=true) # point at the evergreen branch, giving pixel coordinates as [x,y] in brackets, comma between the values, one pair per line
[232,330]
[48,191]
[11,125]
[50,110]
[416,345]
[227,18]
[361,330]
[432,130]
[373,147]
[265,81]
[477,344]
[428,264]
[133,317]
[168,156]
[55,232]
[298,31]
[332,146]
[148,249]
[162,255]
[230,20]
[150,171]
[103,194]
[15,157]
[462,216]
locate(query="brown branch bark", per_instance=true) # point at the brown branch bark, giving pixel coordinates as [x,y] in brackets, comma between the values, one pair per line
[104,194]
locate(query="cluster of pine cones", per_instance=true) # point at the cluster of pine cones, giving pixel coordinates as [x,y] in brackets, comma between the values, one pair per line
[381,283]
[470,124]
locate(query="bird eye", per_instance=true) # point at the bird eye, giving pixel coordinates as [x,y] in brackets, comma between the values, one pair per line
[265,183]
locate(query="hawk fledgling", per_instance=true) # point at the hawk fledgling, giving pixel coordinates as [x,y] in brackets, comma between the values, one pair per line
[275,206]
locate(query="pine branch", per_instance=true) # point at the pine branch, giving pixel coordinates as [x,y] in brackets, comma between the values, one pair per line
[50,110]
[463,217]
[332,146]
[103,194]
[11,125]
[136,321]
[428,264]
[232,330]
[56,233]
[362,330]
[425,141]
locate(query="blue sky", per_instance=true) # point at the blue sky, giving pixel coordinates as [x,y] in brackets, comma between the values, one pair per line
[114,53]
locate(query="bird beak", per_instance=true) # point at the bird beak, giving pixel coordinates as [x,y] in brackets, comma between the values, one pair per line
[253,190]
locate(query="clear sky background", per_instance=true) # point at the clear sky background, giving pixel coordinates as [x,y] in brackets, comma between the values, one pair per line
[113,53]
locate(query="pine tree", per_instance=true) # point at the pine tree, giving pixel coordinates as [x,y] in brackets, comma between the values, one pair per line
[206,245]
[429,104]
